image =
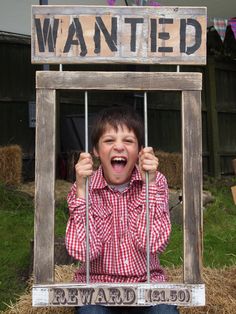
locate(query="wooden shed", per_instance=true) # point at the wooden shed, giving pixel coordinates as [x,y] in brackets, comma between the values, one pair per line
[17,99]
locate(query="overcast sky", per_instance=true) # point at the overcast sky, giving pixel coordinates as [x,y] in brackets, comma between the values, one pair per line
[15,15]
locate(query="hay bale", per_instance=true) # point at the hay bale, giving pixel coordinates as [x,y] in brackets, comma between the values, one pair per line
[170,164]
[62,189]
[220,292]
[24,303]
[11,165]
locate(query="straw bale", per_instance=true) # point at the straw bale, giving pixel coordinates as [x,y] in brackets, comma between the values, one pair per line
[170,164]
[220,292]
[24,304]
[62,189]
[11,164]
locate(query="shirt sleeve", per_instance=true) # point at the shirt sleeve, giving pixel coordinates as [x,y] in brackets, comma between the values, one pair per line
[76,229]
[159,220]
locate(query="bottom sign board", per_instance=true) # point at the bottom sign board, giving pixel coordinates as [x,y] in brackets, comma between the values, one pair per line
[118,294]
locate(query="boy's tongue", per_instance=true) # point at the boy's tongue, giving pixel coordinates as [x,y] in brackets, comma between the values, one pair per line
[118,167]
[118,164]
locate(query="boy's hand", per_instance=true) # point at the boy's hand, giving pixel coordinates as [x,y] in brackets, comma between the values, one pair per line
[83,169]
[148,162]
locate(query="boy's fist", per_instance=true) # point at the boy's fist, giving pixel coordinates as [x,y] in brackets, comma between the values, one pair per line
[83,169]
[148,162]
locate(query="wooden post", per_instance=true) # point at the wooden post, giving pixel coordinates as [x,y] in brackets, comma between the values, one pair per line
[192,185]
[45,186]
[212,119]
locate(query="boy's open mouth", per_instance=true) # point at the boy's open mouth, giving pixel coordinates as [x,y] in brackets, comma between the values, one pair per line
[118,163]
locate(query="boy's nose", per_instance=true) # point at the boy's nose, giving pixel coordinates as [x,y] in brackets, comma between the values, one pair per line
[118,146]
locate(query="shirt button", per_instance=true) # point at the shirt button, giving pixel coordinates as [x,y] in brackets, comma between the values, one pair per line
[126,261]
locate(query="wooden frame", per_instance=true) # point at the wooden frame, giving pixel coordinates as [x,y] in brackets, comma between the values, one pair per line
[191,292]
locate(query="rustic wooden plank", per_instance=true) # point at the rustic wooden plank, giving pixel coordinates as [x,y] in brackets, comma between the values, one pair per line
[212,117]
[140,81]
[192,185]
[92,34]
[71,294]
[44,186]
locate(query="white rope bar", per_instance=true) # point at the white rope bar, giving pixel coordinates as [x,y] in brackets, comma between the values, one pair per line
[86,188]
[147,188]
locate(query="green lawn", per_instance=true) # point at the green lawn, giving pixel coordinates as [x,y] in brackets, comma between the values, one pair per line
[16,232]
[219,228]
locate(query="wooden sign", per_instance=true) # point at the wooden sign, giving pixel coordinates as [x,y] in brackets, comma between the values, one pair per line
[119,295]
[144,35]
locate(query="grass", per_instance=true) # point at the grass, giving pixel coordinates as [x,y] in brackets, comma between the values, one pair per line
[219,227]
[16,232]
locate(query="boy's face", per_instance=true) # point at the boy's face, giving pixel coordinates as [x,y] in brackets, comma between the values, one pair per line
[118,153]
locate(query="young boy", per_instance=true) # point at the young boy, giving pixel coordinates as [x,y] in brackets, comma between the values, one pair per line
[117,209]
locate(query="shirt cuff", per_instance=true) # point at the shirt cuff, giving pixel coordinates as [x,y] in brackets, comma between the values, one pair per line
[77,205]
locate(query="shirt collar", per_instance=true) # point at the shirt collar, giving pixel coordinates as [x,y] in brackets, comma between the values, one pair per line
[98,181]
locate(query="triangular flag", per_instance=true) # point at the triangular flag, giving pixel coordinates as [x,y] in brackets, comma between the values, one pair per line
[232,22]
[111,2]
[221,25]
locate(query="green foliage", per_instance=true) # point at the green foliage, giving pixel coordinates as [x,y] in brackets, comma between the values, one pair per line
[219,225]
[16,231]
[174,251]
[16,234]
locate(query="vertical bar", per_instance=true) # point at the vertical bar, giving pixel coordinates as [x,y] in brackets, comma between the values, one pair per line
[86,189]
[212,118]
[192,185]
[147,188]
[46,67]
[44,186]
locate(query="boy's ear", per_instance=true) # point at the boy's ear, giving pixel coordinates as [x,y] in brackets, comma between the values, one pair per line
[95,152]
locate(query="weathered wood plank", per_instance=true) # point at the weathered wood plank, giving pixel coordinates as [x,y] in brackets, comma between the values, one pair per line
[146,35]
[71,294]
[192,185]
[212,118]
[119,80]
[44,186]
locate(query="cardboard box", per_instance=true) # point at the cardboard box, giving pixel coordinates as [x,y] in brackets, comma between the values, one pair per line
[233,189]
[234,165]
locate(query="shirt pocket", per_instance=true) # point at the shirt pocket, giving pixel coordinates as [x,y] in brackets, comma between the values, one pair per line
[103,219]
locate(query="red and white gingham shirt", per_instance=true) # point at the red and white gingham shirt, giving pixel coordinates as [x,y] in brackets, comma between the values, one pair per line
[117,229]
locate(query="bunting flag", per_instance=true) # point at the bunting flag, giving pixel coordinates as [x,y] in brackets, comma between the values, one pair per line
[232,23]
[220,26]
[111,2]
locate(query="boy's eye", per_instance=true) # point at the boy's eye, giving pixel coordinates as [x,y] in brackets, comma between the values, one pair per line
[129,141]
[108,141]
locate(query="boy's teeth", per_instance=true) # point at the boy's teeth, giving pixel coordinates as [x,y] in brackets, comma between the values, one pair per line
[118,159]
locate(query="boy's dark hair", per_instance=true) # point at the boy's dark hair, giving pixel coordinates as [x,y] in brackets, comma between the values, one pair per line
[116,116]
